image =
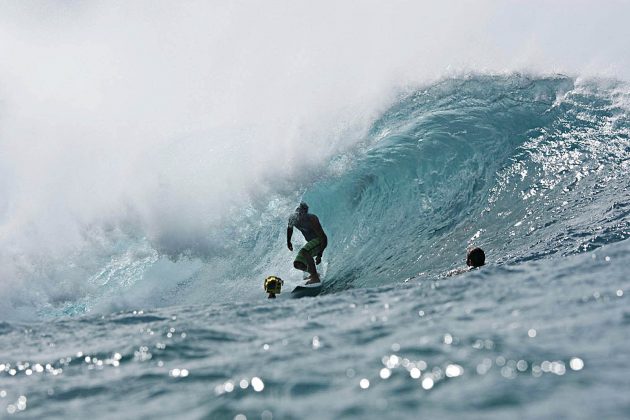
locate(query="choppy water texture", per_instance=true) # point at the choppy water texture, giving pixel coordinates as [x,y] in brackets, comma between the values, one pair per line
[535,171]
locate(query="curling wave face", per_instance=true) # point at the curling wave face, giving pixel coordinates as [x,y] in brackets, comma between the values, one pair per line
[523,167]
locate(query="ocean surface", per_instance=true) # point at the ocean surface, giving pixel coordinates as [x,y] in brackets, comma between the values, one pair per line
[533,169]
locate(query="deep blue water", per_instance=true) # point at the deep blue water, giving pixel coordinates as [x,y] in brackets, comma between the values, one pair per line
[533,170]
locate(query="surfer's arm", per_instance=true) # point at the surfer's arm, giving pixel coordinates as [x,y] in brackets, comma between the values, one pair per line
[289,235]
[321,234]
[324,239]
[318,258]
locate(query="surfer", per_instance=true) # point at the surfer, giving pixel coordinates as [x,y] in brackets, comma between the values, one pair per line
[475,258]
[316,241]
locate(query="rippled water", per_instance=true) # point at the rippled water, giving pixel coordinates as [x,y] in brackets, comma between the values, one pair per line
[546,339]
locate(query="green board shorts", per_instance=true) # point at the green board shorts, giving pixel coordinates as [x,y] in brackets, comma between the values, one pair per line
[312,247]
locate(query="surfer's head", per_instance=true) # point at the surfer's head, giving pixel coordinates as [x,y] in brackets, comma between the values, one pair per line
[302,208]
[476,257]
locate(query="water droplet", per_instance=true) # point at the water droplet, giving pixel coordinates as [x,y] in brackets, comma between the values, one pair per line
[482,369]
[558,368]
[393,361]
[545,366]
[364,383]
[257,384]
[454,370]
[576,363]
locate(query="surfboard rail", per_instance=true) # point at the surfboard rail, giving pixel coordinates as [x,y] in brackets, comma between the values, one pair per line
[306,290]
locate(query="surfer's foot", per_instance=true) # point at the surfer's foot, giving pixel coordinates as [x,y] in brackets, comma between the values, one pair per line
[312,279]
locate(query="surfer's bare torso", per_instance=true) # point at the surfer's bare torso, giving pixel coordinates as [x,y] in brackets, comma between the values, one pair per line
[308,224]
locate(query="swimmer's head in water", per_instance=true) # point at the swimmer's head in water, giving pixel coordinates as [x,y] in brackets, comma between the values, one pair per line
[302,208]
[475,258]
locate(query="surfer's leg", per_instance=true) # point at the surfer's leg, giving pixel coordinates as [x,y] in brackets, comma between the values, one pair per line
[313,280]
[314,277]
[301,260]
[305,262]
[299,265]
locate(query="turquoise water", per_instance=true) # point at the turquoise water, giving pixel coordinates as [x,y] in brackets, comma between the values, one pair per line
[532,169]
